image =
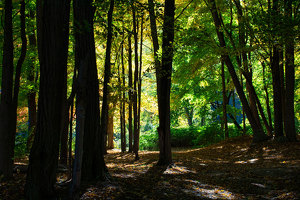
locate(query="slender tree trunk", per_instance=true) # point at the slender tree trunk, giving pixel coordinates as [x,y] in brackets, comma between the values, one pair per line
[135,84]
[226,134]
[267,100]
[130,94]
[18,73]
[110,131]
[107,73]
[258,133]
[164,85]
[290,128]
[31,96]
[53,34]
[154,40]
[71,134]
[140,88]
[123,100]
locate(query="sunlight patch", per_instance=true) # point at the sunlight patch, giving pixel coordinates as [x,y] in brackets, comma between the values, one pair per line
[178,170]
[203,190]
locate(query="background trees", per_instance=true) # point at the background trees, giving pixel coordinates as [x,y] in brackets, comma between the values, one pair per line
[230,62]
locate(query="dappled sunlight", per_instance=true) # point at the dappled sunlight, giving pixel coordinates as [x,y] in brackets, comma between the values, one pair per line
[204,190]
[175,169]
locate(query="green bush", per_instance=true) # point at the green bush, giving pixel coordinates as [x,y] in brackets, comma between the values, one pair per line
[183,137]
[149,140]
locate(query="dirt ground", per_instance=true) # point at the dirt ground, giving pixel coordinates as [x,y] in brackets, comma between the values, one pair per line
[233,169]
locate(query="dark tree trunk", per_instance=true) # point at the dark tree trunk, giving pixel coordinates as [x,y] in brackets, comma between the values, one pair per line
[290,128]
[224,101]
[277,98]
[64,127]
[71,133]
[123,142]
[154,39]
[258,133]
[107,74]
[164,85]
[53,34]
[140,87]
[135,84]
[110,131]
[189,112]
[31,96]
[267,100]
[18,71]
[130,94]
[6,106]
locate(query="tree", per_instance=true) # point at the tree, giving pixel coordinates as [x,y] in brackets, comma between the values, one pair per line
[258,133]
[53,34]
[289,123]
[164,85]
[6,106]
[130,94]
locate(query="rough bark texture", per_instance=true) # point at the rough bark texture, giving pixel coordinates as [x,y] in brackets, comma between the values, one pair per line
[53,29]
[289,123]
[87,105]
[164,85]
[6,117]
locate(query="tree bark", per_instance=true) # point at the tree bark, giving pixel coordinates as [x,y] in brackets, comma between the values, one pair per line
[6,105]
[135,84]
[110,131]
[267,100]
[290,128]
[226,134]
[53,34]
[123,143]
[31,96]
[130,94]
[107,74]
[164,85]
[277,93]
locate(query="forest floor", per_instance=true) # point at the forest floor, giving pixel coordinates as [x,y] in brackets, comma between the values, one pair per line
[232,169]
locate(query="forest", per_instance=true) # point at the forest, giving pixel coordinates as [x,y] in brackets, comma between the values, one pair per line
[149,99]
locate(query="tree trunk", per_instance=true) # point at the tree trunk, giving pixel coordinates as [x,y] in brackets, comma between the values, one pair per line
[290,128]
[107,74]
[275,67]
[31,96]
[267,100]
[6,105]
[123,143]
[164,85]
[135,84]
[130,94]
[53,34]
[258,133]
[110,131]
[224,101]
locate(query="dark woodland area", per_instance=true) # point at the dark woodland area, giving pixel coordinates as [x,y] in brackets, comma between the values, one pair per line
[149,99]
